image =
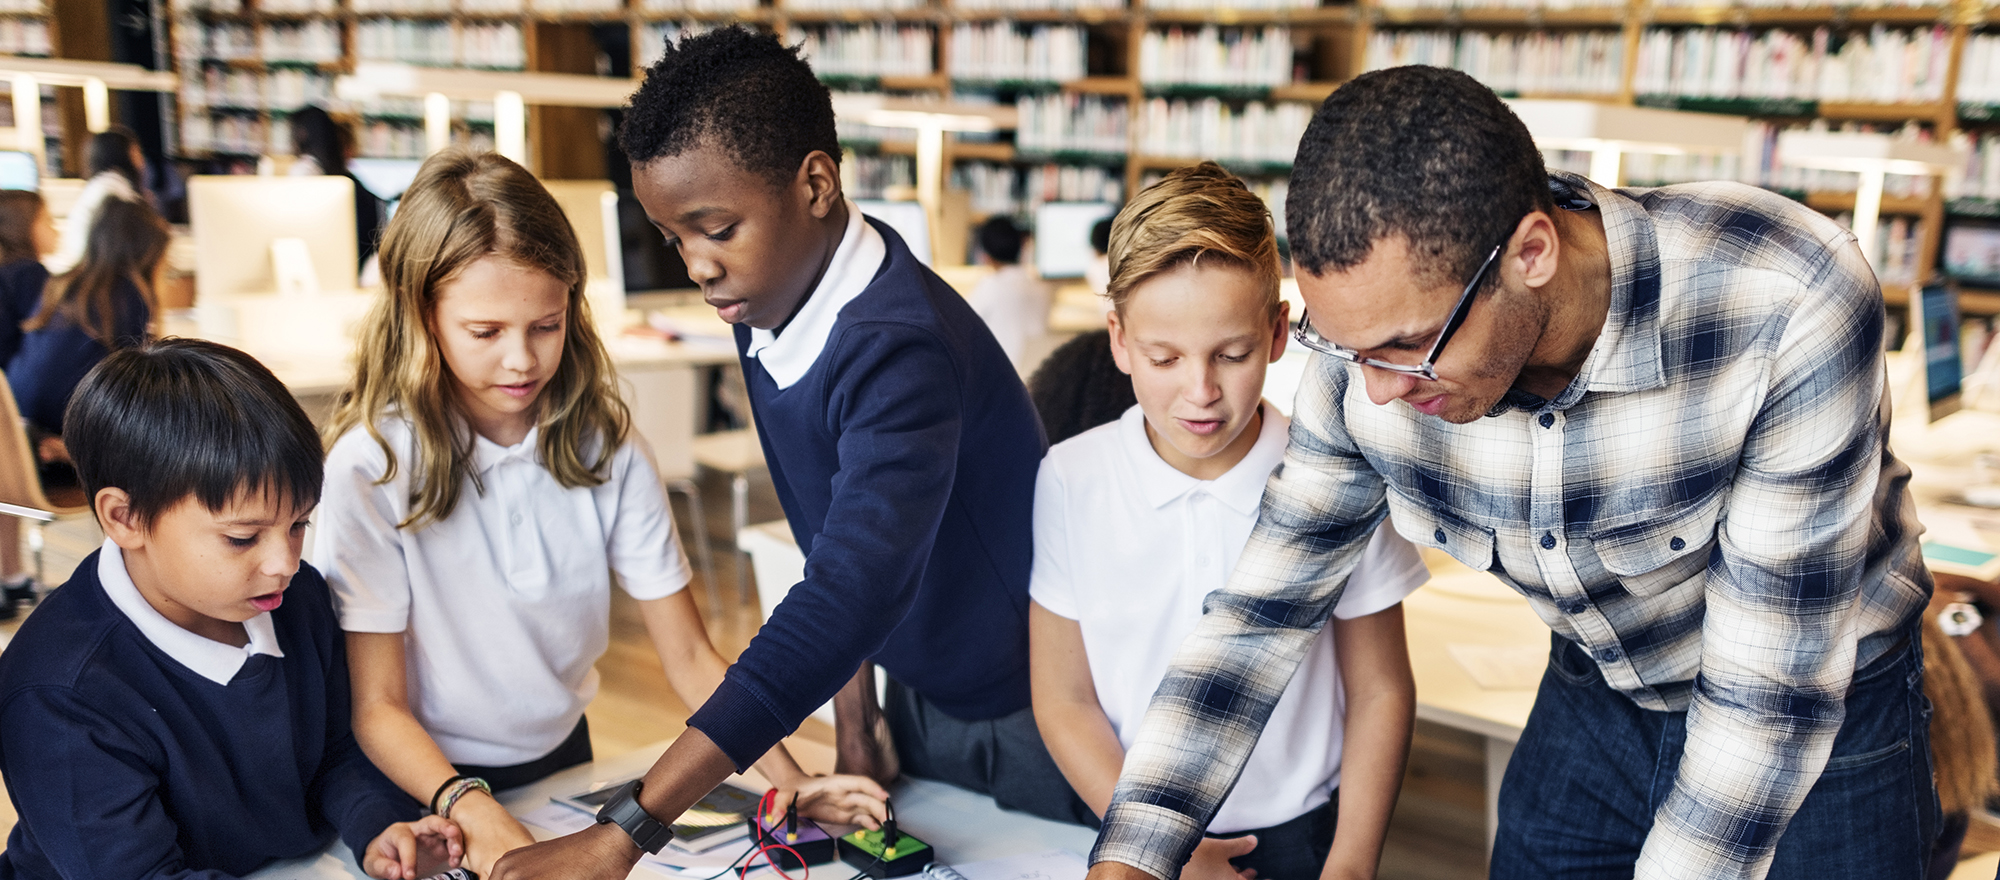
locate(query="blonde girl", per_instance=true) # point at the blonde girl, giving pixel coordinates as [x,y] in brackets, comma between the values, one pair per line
[482,486]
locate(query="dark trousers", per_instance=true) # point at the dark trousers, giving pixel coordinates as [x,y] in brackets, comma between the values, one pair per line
[1592,769]
[1002,757]
[574,750]
[1294,850]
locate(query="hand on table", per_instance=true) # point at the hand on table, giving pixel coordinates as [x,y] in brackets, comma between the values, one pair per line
[840,799]
[600,852]
[396,853]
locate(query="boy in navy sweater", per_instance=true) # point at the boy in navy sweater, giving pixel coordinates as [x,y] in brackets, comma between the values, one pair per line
[180,707]
[902,443]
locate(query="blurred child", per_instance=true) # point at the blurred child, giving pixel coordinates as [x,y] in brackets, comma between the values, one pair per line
[102,304]
[1014,303]
[484,485]
[116,170]
[27,234]
[179,709]
[1137,521]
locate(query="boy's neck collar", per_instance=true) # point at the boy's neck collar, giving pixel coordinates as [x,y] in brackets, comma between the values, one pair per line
[833,229]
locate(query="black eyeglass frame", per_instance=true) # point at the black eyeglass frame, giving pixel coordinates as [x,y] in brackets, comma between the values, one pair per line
[1310,337]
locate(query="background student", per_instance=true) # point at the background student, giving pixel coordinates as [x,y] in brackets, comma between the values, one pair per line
[27,234]
[1013,303]
[116,171]
[1139,520]
[901,441]
[484,485]
[103,303]
[322,147]
[179,709]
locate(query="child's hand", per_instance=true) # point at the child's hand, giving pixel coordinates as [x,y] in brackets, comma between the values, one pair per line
[431,844]
[1211,859]
[840,799]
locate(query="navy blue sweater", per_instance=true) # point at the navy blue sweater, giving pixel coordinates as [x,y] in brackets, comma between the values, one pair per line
[905,459]
[21,285]
[52,361]
[123,764]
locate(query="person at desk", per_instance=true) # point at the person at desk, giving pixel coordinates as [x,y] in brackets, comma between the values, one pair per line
[117,172]
[1660,415]
[322,147]
[179,709]
[483,487]
[1013,303]
[27,234]
[1137,520]
[901,441]
[102,304]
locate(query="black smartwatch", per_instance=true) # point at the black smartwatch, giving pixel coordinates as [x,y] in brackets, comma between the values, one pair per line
[623,810]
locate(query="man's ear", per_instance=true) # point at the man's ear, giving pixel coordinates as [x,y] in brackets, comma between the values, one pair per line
[819,182]
[118,519]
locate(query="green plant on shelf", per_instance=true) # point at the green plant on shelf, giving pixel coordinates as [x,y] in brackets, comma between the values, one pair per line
[1733,106]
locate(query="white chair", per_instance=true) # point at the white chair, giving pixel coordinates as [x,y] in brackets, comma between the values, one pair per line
[662,403]
[738,454]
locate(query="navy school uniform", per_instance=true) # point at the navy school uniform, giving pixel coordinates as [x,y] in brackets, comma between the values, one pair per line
[123,763]
[21,284]
[52,361]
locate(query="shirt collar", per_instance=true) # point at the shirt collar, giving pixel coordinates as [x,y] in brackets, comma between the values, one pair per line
[1241,488]
[1627,353]
[209,659]
[487,455]
[855,261]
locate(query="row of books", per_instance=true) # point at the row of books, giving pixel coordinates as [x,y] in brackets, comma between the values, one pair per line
[492,45]
[1072,123]
[1979,70]
[228,133]
[1614,6]
[1587,62]
[1005,189]
[284,89]
[868,50]
[1883,65]
[1007,52]
[299,7]
[195,39]
[390,139]
[24,36]
[1208,128]
[1216,55]
[864,176]
[1980,178]
[655,35]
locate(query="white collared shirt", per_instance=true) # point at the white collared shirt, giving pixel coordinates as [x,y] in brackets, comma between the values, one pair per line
[506,604]
[1128,546]
[1015,307]
[855,261]
[208,658]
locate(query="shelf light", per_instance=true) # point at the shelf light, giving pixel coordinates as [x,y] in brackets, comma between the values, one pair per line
[1872,155]
[1608,131]
[511,93]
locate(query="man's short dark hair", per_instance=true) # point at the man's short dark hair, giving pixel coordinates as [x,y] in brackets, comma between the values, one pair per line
[1000,239]
[741,91]
[180,417]
[1422,152]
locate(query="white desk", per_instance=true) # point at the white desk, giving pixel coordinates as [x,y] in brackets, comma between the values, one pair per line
[963,826]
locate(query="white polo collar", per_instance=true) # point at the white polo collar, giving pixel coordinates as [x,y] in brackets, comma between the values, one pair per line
[487,455]
[1241,488]
[209,659]
[855,261]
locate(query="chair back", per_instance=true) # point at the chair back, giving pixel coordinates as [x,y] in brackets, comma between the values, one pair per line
[20,474]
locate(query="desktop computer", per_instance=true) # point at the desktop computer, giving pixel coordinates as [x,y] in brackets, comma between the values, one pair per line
[237,219]
[1062,236]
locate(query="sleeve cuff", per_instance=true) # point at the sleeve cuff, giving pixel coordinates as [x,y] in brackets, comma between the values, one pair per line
[373,620]
[1153,839]
[372,816]
[739,723]
[656,588]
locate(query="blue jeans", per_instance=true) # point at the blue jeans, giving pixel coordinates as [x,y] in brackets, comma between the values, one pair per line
[1592,768]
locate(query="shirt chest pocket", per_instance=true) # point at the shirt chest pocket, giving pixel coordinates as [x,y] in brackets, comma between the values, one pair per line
[1427,525]
[1663,550]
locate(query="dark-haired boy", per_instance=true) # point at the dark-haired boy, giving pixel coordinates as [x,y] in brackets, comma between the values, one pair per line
[1013,303]
[901,441]
[180,707]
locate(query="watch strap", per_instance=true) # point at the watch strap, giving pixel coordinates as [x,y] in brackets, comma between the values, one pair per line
[624,811]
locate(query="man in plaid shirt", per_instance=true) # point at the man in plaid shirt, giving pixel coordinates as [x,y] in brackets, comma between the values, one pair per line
[1661,416]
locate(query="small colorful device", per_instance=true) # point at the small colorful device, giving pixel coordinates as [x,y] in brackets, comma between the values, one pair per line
[807,839]
[886,852]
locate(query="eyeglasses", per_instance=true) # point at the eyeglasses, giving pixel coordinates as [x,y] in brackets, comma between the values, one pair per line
[1308,336]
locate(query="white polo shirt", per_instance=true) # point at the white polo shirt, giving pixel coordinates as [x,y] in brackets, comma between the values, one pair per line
[1128,547]
[506,603]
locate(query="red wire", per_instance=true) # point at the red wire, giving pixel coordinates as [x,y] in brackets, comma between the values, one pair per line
[764,805]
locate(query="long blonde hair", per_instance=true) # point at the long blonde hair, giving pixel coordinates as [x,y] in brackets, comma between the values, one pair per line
[463,207]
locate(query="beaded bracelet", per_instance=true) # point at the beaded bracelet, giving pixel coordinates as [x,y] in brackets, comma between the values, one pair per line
[460,789]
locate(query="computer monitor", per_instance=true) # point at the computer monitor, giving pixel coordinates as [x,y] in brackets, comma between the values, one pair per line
[909,221]
[1934,313]
[1062,236]
[583,201]
[235,219]
[19,171]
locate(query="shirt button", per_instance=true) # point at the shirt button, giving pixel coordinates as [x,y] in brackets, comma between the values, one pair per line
[516,519]
[1574,606]
[1438,536]
[1548,420]
[1610,655]
[1201,560]
[1677,544]
[1548,541]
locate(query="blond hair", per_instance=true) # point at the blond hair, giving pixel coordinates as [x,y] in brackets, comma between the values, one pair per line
[461,208]
[1195,212]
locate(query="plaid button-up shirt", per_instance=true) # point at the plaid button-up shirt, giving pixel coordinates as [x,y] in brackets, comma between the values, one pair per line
[1709,509]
